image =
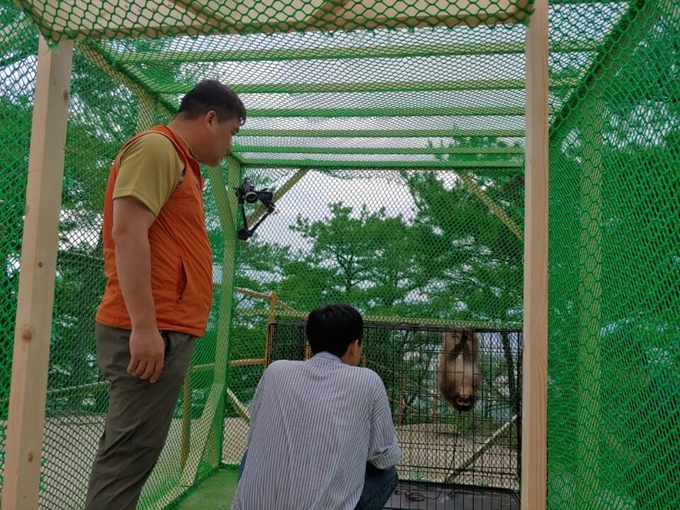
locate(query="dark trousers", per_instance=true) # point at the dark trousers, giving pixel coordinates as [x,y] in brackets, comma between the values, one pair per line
[379,485]
[138,418]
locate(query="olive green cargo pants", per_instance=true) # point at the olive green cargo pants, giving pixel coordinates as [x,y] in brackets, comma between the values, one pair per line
[138,419]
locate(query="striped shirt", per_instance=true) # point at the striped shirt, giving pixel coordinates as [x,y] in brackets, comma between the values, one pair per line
[313,426]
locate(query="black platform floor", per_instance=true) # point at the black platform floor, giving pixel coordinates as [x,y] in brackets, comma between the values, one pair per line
[430,496]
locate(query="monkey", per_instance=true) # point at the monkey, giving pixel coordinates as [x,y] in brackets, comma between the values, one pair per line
[459,376]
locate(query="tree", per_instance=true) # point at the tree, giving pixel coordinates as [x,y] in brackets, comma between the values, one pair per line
[364,259]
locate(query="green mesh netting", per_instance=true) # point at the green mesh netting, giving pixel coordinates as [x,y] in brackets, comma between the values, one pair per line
[613,391]
[393,135]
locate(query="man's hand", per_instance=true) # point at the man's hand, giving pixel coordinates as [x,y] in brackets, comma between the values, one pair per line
[147,352]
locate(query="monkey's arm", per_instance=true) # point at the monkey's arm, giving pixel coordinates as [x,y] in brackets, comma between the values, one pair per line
[467,344]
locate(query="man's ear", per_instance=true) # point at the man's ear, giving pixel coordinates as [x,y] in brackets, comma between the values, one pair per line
[355,346]
[211,116]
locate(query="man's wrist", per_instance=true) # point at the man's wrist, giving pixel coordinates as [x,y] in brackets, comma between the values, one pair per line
[145,325]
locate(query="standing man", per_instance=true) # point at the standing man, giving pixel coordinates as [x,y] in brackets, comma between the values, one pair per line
[158,265]
[321,432]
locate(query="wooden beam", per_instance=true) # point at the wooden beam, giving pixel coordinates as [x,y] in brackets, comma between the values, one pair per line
[92,52]
[80,19]
[37,274]
[341,111]
[146,112]
[299,149]
[384,133]
[383,165]
[623,39]
[319,52]
[497,211]
[214,408]
[535,357]
[558,82]
[589,418]
[16,34]
[287,186]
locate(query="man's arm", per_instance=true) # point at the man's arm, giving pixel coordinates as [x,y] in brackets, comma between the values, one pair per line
[131,223]
[384,451]
[256,403]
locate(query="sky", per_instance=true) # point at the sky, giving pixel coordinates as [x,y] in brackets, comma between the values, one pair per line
[311,197]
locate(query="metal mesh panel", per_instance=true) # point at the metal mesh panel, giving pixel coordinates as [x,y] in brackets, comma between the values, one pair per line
[439,444]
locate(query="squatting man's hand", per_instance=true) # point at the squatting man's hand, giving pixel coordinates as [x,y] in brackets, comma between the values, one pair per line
[147,352]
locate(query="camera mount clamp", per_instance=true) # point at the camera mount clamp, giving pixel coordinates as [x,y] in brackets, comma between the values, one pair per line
[247,193]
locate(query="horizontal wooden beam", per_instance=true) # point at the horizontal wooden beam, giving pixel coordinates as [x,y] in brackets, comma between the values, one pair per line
[279,149]
[335,52]
[16,34]
[354,87]
[383,133]
[79,19]
[382,165]
[406,111]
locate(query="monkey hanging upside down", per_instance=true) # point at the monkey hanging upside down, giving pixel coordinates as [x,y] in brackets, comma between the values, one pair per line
[459,376]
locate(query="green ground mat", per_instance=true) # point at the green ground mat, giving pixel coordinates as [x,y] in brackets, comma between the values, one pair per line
[214,493]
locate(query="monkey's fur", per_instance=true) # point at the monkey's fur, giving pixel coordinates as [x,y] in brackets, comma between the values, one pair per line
[459,376]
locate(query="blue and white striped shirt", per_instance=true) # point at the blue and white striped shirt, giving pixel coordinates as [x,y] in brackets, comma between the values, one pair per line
[313,426]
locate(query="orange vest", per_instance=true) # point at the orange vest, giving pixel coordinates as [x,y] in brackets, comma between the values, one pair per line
[181,258]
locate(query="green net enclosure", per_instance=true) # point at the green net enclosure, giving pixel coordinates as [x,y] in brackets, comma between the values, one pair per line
[613,417]
[392,135]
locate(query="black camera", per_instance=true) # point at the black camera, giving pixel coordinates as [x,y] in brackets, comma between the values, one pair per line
[247,193]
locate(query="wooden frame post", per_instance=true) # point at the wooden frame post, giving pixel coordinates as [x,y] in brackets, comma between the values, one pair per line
[209,428]
[589,355]
[535,357]
[36,281]
[146,114]
[273,300]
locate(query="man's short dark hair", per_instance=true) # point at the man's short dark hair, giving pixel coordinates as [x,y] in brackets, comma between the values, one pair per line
[333,328]
[212,95]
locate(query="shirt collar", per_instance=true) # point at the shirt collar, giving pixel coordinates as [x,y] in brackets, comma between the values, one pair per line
[325,357]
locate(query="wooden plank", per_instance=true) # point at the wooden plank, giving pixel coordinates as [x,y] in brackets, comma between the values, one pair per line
[80,19]
[535,357]
[213,412]
[334,87]
[148,105]
[449,164]
[589,418]
[356,149]
[623,39]
[36,281]
[236,53]
[382,133]
[278,194]
[496,209]
[407,110]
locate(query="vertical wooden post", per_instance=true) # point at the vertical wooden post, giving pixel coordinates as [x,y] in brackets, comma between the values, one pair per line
[588,416]
[273,300]
[535,357]
[36,280]
[210,427]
